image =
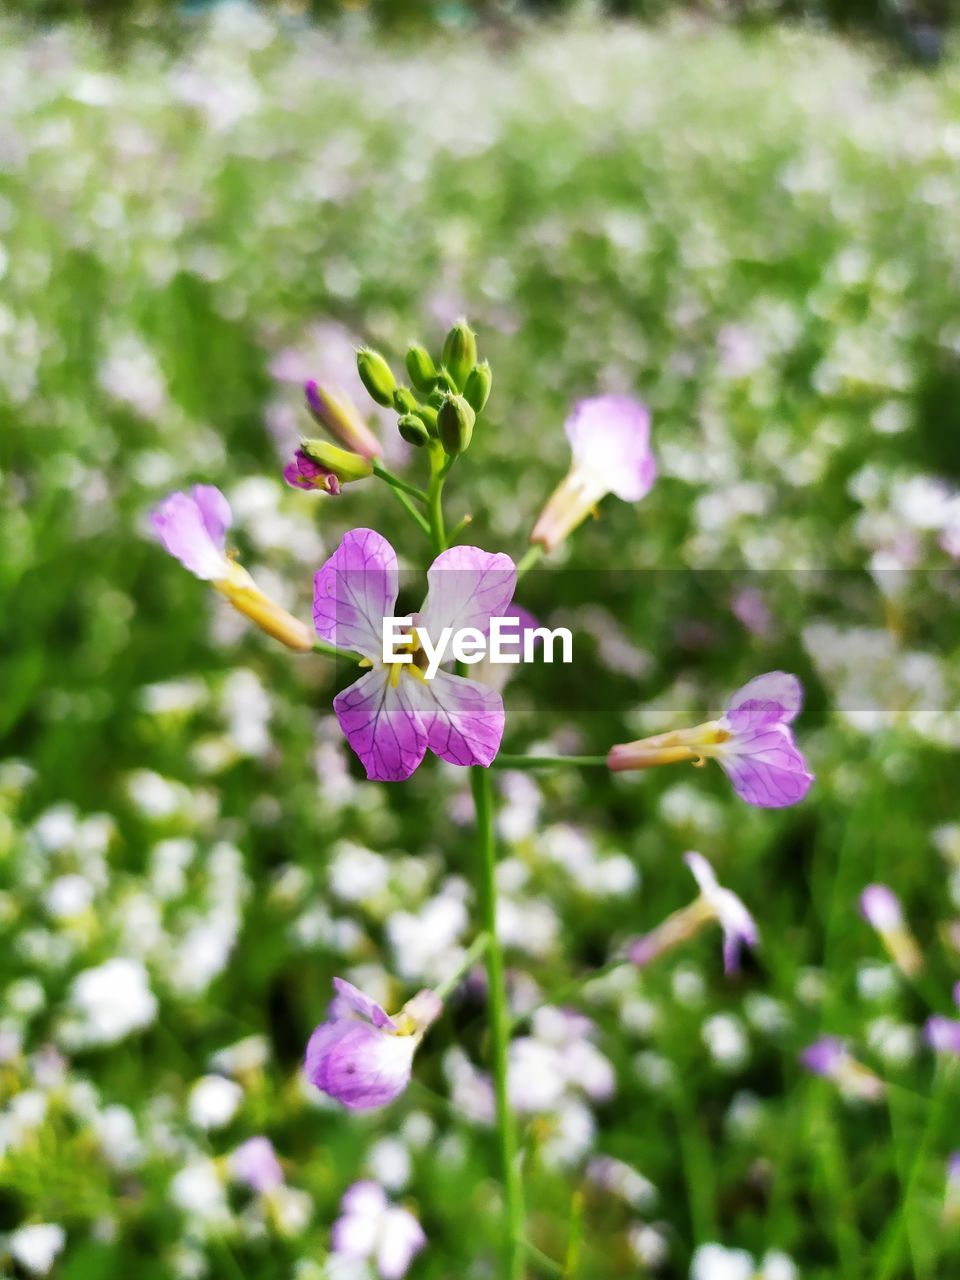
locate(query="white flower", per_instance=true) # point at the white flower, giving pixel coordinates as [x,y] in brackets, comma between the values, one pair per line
[371,1228]
[714,1262]
[36,1246]
[197,1191]
[214,1101]
[113,1000]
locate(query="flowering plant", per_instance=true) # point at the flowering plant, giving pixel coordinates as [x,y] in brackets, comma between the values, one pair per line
[407,702]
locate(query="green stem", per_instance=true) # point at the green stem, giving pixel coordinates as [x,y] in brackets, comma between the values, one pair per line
[458,528]
[531,556]
[514,1245]
[439,466]
[395,482]
[411,510]
[470,958]
[331,651]
[545,762]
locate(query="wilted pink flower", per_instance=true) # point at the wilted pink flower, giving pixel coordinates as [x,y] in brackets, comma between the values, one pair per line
[255,1163]
[715,903]
[610,442]
[830,1057]
[303,473]
[360,1055]
[371,1229]
[193,529]
[752,742]
[393,714]
[880,907]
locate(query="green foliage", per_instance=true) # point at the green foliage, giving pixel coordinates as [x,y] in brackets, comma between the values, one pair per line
[758,234]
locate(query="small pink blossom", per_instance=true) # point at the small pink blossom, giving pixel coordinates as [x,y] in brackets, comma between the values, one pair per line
[303,473]
[255,1164]
[610,443]
[392,715]
[371,1229]
[752,742]
[363,1057]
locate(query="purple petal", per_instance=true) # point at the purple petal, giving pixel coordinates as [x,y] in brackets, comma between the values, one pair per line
[824,1056]
[766,768]
[359,1065]
[361,1003]
[303,473]
[365,1198]
[463,718]
[214,511]
[255,1163]
[182,526]
[383,725]
[880,907]
[774,697]
[354,591]
[466,587]
[401,1240]
[942,1034]
[610,437]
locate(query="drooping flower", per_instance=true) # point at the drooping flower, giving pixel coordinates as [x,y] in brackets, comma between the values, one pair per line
[610,442]
[881,908]
[752,742]
[303,473]
[371,1229]
[361,1055]
[393,713]
[715,903]
[193,529]
[335,411]
[830,1057]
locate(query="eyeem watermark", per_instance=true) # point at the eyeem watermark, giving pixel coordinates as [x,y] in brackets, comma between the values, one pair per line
[505,642]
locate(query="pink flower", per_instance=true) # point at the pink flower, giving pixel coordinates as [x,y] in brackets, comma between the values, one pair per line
[371,1229]
[830,1057]
[303,473]
[752,742]
[943,1034]
[880,907]
[610,442]
[255,1163]
[360,1055]
[193,529]
[715,903]
[393,714]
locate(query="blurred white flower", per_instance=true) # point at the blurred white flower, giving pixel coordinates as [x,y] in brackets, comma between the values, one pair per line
[36,1246]
[214,1101]
[112,1001]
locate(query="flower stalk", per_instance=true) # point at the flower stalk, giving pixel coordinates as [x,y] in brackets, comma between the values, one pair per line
[514,1247]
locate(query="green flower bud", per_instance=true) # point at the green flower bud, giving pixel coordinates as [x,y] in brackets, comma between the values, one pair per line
[428,416]
[376,376]
[455,424]
[413,430]
[459,352]
[404,401]
[420,367]
[346,466]
[477,389]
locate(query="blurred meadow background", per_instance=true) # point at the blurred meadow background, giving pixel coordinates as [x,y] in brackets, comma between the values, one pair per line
[753,227]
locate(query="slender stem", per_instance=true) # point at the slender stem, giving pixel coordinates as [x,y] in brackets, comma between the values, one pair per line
[531,556]
[458,528]
[331,651]
[514,1246]
[395,482]
[411,510]
[572,1260]
[545,762]
[439,466]
[470,958]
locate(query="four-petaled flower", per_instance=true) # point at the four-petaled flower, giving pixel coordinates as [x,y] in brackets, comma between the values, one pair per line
[610,442]
[371,1229]
[193,529]
[752,742]
[715,903]
[361,1055]
[392,714]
